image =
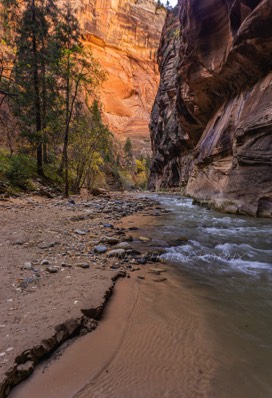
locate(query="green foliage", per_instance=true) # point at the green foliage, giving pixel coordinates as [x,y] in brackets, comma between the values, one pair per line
[90,148]
[17,170]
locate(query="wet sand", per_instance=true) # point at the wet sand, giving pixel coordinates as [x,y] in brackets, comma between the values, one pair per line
[152,342]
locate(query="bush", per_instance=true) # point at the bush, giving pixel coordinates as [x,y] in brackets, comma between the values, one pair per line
[20,170]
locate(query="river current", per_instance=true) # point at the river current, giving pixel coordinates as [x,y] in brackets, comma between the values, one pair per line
[227,262]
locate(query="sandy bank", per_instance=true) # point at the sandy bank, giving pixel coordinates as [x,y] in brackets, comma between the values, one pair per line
[53,285]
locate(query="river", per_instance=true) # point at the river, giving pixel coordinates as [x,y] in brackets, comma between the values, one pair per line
[205,332]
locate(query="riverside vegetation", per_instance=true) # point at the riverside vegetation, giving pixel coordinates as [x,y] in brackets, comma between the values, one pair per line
[52,132]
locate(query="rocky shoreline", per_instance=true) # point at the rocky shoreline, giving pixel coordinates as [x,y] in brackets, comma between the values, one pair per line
[61,259]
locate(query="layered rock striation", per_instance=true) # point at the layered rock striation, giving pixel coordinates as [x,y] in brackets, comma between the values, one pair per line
[211,124]
[124,36]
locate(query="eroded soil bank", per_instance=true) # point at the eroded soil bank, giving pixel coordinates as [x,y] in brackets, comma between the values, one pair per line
[57,272]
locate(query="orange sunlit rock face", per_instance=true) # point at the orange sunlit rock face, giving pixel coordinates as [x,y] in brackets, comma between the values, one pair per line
[124,37]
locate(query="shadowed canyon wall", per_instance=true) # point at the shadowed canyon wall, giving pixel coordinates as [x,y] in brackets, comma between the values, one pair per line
[211,124]
[124,36]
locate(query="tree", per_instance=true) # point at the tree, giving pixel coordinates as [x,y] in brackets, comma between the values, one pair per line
[128,153]
[31,41]
[91,147]
[79,75]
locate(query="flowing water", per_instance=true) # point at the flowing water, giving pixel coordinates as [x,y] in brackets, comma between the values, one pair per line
[227,261]
[205,332]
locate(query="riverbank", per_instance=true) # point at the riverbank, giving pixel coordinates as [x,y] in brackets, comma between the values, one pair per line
[57,272]
[151,342]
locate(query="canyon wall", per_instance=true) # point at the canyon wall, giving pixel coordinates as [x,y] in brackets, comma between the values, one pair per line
[211,124]
[124,36]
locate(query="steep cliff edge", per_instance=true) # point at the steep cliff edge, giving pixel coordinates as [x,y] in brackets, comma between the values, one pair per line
[211,124]
[124,36]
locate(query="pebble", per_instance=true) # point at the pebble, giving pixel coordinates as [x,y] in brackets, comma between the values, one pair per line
[128,238]
[83,265]
[19,242]
[45,262]
[123,245]
[27,266]
[116,253]
[52,270]
[144,239]
[82,232]
[108,226]
[114,266]
[100,249]
[109,239]
[66,265]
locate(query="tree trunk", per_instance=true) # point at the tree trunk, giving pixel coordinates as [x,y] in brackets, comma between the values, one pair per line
[37,93]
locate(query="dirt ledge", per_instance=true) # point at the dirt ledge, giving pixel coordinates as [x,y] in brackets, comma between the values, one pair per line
[28,359]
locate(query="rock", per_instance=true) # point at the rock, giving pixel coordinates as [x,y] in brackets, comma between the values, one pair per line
[25,369]
[123,245]
[133,228]
[133,252]
[128,238]
[45,262]
[211,121]
[120,253]
[46,245]
[83,265]
[140,277]
[81,217]
[115,266]
[157,270]
[161,279]
[115,31]
[140,260]
[52,270]
[19,242]
[27,266]
[65,265]
[153,257]
[110,240]
[108,226]
[100,249]
[144,239]
[82,232]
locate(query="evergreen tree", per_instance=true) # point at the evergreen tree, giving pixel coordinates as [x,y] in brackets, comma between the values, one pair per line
[33,33]
[128,152]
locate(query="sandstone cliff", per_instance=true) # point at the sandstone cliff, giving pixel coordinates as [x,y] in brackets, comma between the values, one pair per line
[211,123]
[124,36]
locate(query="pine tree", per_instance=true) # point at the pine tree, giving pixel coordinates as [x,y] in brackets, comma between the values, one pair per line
[32,34]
